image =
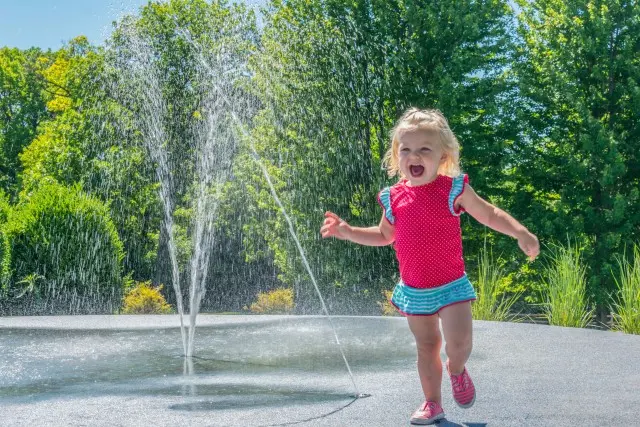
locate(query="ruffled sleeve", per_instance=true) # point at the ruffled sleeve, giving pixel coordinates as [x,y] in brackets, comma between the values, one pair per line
[384,198]
[457,188]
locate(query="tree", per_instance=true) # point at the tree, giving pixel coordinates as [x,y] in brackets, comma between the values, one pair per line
[22,109]
[88,139]
[178,62]
[333,77]
[577,161]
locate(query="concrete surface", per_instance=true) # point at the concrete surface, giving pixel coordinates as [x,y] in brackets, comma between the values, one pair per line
[287,370]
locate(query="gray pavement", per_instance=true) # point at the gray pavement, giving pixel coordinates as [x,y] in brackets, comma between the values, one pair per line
[287,370]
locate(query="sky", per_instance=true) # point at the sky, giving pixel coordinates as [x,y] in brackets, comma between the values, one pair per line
[48,24]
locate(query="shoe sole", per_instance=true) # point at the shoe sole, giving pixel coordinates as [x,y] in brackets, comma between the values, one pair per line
[421,422]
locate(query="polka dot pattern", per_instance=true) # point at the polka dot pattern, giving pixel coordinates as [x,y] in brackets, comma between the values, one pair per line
[428,241]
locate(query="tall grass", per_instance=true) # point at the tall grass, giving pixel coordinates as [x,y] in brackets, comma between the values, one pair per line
[491,304]
[565,302]
[626,311]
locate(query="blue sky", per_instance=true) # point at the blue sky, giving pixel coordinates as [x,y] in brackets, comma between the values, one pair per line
[47,24]
[50,23]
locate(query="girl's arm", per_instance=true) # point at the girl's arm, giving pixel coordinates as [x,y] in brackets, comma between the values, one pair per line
[380,235]
[499,220]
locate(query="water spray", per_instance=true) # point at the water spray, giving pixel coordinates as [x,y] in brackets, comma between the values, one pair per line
[258,160]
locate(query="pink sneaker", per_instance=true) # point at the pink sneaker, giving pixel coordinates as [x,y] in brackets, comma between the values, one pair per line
[427,413]
[464,393]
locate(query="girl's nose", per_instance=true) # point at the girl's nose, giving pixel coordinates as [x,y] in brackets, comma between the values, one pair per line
[414,155]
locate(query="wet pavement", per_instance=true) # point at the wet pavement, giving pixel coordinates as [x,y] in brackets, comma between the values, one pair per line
[287,370]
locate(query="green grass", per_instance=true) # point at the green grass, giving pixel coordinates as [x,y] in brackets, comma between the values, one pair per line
[565,302]
[491,304]
[626,311]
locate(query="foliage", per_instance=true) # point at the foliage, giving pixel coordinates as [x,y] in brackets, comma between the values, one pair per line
[145,299]
[5,249]
[566,282]
[332,78]
[492,303]
[60,147]
[240,267]
[385,305]
[22,109]
[544,103]
[67,241]
[88,139]
[276,301]
[576,164]
[5,264]
[30,285]
[626,309]
[170,41]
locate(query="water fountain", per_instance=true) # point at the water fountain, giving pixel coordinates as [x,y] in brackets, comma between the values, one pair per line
[273,370]
[229,105]
[213,147]
[140,69]
[214,143]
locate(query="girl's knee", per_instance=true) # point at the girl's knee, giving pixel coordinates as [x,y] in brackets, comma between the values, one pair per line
[459,346]
[429,345]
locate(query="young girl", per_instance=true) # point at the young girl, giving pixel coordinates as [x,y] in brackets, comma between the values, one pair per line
[421,217]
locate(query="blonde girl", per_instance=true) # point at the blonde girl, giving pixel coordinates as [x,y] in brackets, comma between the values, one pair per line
[421,217]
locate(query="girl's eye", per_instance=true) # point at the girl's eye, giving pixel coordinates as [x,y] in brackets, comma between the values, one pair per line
[426,149]
[405,150]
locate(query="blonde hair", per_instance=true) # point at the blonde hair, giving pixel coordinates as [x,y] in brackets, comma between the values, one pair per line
[429,120]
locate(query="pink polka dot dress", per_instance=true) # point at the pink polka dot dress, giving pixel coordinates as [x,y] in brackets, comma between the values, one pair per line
[428,244]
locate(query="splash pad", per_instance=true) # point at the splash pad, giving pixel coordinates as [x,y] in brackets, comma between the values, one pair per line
[287,370]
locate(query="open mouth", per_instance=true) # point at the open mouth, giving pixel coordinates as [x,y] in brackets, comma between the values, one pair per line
[416,171]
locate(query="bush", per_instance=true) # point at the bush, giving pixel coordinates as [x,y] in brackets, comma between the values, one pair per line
[277,301]
[387,308]
[5,250]
[566,283]
[490,305]
[144,299]
[626,311]
[5,264]
[65,254]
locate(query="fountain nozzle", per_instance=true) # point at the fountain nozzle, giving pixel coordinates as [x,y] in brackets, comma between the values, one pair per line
[361,395]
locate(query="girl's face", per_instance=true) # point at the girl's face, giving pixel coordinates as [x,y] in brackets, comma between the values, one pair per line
[419,155]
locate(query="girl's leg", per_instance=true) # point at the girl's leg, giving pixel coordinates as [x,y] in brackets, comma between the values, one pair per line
[426,330]
[457,330]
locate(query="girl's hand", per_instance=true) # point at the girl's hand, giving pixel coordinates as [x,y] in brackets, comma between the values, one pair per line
[333,226]
[529,244]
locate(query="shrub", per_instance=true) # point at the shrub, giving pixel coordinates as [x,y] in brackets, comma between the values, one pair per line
[5,265]
[5,249]
[5,207]
[277,301]
[626,311]
[67,241]
[145,299]
[565,294]
[387,308]
[490,305]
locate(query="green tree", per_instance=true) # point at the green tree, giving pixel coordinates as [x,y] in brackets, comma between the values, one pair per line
[181,50]
[333,77]
[576,164]
[22,109]
[88,139]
